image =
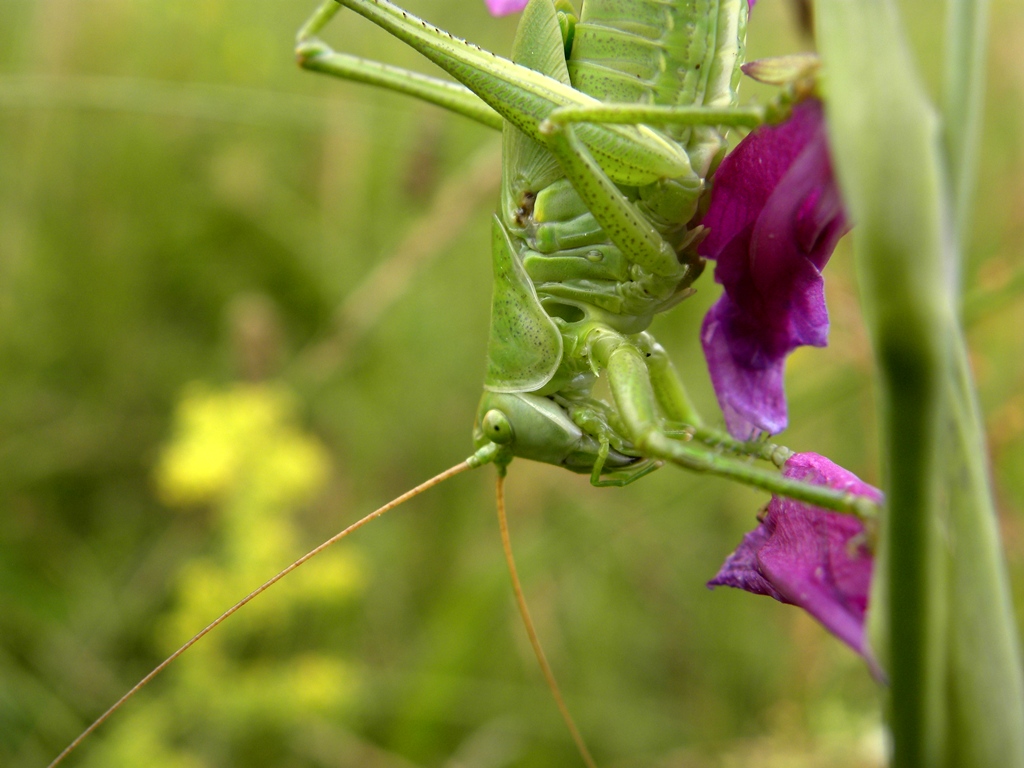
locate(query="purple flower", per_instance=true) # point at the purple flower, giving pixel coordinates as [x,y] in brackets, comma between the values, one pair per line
[807,556]
[774,219]
[505,7]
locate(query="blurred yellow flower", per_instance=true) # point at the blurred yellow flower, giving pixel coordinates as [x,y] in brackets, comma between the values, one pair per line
[241,439]
[240,452]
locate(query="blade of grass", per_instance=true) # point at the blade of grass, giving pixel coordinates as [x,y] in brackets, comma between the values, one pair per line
[950,642]
[885,138]
[966,28]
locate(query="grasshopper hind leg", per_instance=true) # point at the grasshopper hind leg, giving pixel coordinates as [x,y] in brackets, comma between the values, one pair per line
[314,54]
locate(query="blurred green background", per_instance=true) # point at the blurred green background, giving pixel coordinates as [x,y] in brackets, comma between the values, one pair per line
[242,305]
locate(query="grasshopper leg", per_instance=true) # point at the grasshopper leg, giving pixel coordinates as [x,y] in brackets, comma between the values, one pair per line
[668,387]
[646,114]
[634,235]
[618,478]
[314,54]
[623,477]
[684,421]
[627,227]
[630,381]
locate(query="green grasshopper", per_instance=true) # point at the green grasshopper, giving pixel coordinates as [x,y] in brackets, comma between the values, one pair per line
[593,234]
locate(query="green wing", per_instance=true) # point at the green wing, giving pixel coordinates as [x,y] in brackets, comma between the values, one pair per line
[525,346]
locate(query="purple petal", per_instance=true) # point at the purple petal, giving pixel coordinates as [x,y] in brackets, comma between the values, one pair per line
[742,389]
[810,557]
[774,219]
[505,7]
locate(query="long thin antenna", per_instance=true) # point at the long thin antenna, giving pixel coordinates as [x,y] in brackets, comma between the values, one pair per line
[524,611]
[470,463]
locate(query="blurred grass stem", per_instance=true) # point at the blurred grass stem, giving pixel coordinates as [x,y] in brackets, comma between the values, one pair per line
[940,611]
[431,234]
[966,35]
[165,98]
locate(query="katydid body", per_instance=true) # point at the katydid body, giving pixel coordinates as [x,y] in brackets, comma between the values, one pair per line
[594,232]
[581,264]
[612,126]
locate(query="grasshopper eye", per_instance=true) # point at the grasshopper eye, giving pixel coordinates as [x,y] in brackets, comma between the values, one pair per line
[496,427]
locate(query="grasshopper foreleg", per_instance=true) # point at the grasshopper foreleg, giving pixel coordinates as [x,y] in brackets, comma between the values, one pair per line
[593,418]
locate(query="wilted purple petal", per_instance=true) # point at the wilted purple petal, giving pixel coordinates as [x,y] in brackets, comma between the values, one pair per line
[505,7]
[807,556]
[774,219]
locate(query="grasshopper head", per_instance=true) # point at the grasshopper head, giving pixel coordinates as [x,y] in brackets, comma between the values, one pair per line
[537,428]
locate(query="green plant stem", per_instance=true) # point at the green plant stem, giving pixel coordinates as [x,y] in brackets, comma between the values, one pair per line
[966,26]
[886,146]
[940,596]
[986,682]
